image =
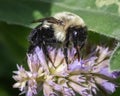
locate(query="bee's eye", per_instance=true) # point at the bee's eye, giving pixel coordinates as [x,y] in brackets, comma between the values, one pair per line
[75,33]
[78,34]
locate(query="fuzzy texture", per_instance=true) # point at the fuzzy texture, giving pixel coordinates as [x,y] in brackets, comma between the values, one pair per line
[63,30]
[68,20]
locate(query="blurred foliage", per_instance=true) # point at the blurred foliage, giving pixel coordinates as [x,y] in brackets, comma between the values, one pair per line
[115,59]
[101,16]
[13,46]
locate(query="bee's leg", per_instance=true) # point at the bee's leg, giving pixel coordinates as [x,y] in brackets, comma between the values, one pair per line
[36,39]
[77,47]
[66,43]
[79,38]
[66,54]
[78,52]
[75,37]
[46,53]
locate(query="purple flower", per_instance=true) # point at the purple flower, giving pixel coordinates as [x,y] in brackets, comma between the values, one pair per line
[86,76]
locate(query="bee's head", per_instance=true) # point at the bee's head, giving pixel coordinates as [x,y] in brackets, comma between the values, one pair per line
[68,21]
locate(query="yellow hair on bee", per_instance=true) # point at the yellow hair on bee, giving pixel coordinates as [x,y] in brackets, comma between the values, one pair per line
[69,20]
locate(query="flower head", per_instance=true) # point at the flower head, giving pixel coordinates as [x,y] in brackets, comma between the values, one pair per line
[87,76]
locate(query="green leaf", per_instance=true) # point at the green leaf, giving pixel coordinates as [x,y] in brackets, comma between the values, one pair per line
[101,16]
[115,59]
[117,92]
[3,92]
[97,20]
[23,12]
[95,38]
[13,46]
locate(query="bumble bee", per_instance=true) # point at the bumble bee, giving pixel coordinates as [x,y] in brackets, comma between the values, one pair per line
[63,29]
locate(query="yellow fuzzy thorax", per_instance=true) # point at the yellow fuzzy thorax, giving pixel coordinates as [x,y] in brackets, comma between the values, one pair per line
[69,20]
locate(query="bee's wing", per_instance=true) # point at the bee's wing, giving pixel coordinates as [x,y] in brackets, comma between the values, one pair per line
[48,19]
